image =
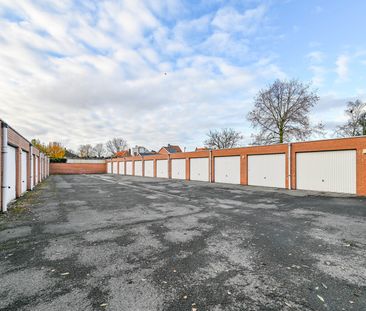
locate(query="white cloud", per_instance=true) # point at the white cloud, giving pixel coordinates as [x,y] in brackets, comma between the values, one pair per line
[229,19]
[86,74]
[342,67]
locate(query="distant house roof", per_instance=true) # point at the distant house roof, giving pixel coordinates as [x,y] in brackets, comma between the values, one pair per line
[170,149]
[121,154]
[147,153]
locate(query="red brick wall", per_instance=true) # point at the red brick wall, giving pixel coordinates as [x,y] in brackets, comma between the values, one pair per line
[77,168]
[355,143]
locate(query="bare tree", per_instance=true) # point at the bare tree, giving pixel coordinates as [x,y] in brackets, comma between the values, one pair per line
[116,144]
[224,138]
[356,123]
[85,151]
[99,150]
[281,112]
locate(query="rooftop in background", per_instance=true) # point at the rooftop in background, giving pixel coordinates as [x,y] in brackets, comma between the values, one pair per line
[123,153]
[139,150]
[170,149]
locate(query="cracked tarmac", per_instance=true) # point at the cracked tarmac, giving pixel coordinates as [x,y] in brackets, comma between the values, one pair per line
[110,242]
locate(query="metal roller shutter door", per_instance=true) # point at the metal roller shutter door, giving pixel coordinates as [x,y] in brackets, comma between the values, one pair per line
[36,167]
[32,170]
[331,171]
[227,169]
[24,171]
[109,167]
[129,168]
[162,168]
[11,173]
[138,168]
[199,169]
[179,168]
[267,170]
[149,168]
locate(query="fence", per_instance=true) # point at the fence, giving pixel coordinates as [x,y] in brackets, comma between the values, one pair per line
[334,165]
[22,166]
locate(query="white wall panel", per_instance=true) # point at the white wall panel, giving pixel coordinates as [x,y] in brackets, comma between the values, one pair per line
[129,168]
[267,170]
[138,168]
[227,169]
[109,167]
[149,168]
[179,168]
[115,167]
[121,168]
[199,169]
[24,174]
[162,168]
[333,171]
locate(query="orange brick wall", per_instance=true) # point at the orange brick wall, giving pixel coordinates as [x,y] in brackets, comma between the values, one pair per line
[355,143]
[77,168]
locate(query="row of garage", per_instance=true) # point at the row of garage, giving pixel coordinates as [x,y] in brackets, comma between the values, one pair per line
[317,170]
[22,165]
[263,170]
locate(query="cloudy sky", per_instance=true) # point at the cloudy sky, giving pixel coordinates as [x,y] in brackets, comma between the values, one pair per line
[158,72]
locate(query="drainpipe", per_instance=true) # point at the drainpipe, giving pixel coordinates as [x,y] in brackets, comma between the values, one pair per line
[289,166]
[4,151]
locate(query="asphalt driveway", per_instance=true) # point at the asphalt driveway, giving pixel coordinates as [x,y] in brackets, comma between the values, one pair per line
[107,242]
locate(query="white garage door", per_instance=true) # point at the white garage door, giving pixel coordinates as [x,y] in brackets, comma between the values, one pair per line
[267,170]
[138,168]
[115,168]
[32,170]
[162,168]
[122,168]
[109,167]
[333,171]
[129,168]
[24,171]
[11,173]
[199,169]
[179,168]
[227,169]
[36,168]
[149,168]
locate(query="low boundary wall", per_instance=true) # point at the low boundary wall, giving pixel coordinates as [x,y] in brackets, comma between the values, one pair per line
[77,168]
